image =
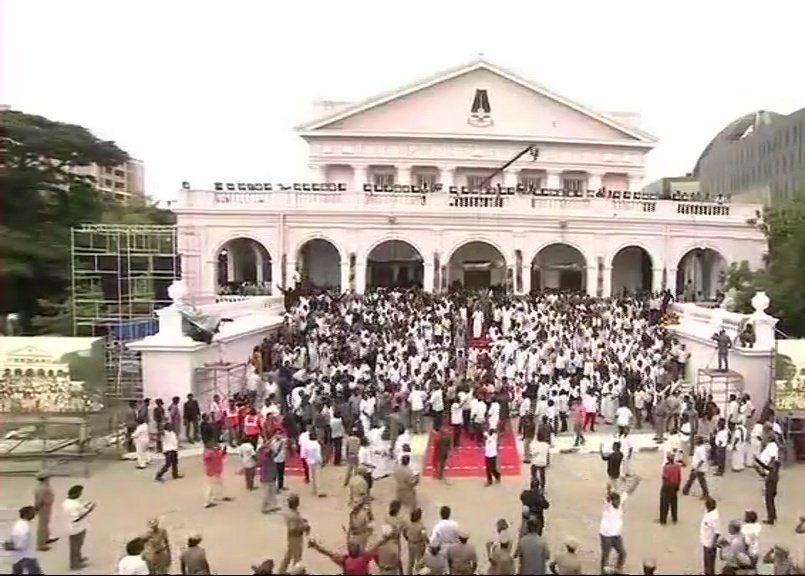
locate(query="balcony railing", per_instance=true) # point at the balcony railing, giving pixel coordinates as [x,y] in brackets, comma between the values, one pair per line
[588,203]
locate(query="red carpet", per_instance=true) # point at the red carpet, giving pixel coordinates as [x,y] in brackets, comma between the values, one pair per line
[467,461]
[293,465]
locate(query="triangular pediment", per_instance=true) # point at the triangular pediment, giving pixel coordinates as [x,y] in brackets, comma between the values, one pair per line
[480,99]
[30,352]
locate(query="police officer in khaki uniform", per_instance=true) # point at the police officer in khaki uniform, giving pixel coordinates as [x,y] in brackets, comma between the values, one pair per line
[406,483]
[297,527]
[43,502]
[358,488]
[157,553]
[360,524]
[417,538]
[388,553]
[351,447]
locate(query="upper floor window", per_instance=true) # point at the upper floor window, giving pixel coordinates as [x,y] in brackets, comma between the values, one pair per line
[474,182]
[425,180]
[531,183]
[120,173]
[383,178]
[573,184]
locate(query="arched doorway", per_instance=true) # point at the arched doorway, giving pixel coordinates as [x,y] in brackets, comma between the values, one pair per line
[559,267]
[700,274]
[476,265]
[319,263]
[631,271]
[394,263]
[244,267]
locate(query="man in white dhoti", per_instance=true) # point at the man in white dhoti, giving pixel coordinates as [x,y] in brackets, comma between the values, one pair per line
[477,323]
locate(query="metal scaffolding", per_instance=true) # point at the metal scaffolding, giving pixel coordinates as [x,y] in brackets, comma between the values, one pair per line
[120,276]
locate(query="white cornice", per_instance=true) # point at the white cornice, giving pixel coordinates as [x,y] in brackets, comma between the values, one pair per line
[473,137]
[640,135]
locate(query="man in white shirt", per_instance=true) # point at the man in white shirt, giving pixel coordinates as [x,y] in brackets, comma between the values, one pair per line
[76,513]
[722,439]
[623,419]
[445,531]
[436,401]
[611,530]
[23,555]
[133,562]
[708,535]
[314,459]
[416,399]
[698,468]
[491,456]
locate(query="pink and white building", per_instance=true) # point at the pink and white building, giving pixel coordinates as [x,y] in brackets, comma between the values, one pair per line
[575,222]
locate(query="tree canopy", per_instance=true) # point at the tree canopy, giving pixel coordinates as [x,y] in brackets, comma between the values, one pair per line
[42,198]
[783,278]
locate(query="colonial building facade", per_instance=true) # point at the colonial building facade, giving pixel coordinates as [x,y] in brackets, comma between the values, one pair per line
[406,188]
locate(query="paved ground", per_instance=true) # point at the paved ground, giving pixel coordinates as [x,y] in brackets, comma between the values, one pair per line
[236,534]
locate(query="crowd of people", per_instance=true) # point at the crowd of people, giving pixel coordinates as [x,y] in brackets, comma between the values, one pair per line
[350,379]
[37,392]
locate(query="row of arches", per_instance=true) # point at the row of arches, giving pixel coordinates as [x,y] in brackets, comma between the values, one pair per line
[476,264]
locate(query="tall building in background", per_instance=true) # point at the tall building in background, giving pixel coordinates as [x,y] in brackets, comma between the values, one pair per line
[759,157]
[125,182]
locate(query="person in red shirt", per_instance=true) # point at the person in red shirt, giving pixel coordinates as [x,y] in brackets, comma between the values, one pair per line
[252,426]
[214,458]
[671,479]
[356,561]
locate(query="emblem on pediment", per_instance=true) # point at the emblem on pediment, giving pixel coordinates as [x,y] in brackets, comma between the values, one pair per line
[481,111]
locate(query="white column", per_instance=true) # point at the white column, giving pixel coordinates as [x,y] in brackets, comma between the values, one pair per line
[318,173]
[635,182]
[670,280]
[276,274]
[427,276]
[553,179]
[258,264]
[510,177]
[656,279]
[359,178]
[447,176]
[360,275]
[595,180]
[607,292]
[344,274]
[230,265]
[290,268]
[526,277]
[592,280]
[404,175]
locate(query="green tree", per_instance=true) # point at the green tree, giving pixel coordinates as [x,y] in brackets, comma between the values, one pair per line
[783,278]
[42,198]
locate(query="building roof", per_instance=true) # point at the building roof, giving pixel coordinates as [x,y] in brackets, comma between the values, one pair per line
[476,64]
[738,129]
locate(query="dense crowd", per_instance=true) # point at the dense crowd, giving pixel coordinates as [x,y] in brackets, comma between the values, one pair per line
[27,393]
[349,380]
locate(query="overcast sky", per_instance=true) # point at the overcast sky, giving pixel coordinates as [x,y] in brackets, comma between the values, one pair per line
[205,91]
